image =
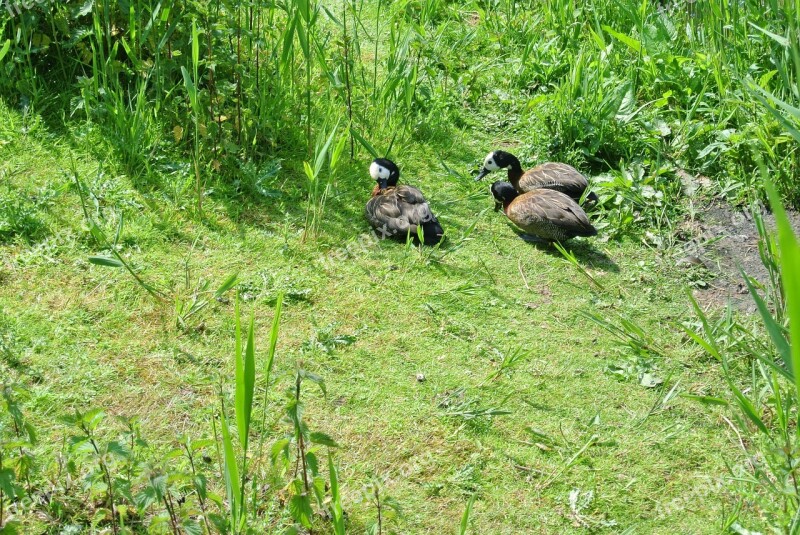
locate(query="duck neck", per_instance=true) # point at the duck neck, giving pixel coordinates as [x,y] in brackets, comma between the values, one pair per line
[515,172]
[378,191]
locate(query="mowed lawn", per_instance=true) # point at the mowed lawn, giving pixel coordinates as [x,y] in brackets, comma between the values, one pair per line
[410,343]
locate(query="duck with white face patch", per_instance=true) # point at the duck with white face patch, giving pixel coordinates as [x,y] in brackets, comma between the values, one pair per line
[399,212]
[550,175]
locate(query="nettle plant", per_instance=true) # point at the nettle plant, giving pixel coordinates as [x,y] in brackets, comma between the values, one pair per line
[105,469]
[17,438]
[298,453]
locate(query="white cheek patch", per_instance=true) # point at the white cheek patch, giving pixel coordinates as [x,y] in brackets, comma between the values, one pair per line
[490,165]
[378,171]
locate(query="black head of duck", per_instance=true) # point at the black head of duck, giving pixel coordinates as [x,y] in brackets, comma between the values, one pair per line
[503,193]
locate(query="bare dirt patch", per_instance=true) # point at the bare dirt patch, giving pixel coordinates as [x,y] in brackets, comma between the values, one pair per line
[725,241]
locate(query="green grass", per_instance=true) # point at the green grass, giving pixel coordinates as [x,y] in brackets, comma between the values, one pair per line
[151,154]
[89,336]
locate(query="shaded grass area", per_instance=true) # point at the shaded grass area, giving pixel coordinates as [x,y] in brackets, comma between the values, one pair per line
[369,320]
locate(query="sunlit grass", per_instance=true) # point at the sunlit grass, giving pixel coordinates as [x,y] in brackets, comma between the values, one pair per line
[168,164]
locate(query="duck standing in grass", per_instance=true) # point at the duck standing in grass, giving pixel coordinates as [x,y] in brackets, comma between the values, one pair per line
[399,211]
[546,214]
[551,175]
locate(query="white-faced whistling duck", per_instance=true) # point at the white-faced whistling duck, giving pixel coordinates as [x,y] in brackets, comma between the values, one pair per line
[399,211]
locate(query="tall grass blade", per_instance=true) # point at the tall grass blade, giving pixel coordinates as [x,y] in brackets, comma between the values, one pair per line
[746,406]
[364,143]
[771,103]
[774,36]
[231,473]
[323,153]
[462,528]
[632,43]
[709,345]
[4,50]
[191,89]
[337,512]
[774,330]
[572,259]
[195,48]
[229,283]
[245,380]
[105,261]
[239,395]
[273,342]
[273,337]
[249,376]
[790,267]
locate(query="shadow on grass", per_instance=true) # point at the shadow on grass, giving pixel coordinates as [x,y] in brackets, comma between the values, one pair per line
[583,250]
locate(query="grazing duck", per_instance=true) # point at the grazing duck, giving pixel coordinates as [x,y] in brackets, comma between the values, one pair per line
[398,211]
[551,175]
[545,213]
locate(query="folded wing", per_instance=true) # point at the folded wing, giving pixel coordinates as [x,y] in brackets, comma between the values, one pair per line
[550,215]
[400,211]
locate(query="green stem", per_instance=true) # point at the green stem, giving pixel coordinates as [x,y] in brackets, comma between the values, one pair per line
[375,58]
[199,496]
[2,497]
[310,39]
[348,88]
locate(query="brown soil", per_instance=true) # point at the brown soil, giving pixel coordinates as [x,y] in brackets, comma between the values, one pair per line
[725,240]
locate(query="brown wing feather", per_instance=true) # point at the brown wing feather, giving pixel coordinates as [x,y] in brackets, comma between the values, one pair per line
[410,195]
[414,205]
[385,216]
[398,211]
[549,214]
[556,176]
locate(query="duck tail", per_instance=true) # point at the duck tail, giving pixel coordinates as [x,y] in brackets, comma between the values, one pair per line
[432,232]
[589,231]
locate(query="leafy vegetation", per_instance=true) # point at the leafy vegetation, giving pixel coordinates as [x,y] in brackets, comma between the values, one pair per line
[169,166]
[200,96]
[770,479]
